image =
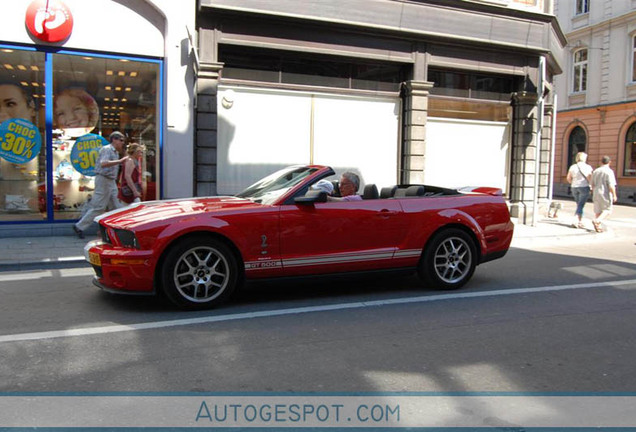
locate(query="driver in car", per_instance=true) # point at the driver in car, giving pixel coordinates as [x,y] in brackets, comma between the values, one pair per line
[348,185]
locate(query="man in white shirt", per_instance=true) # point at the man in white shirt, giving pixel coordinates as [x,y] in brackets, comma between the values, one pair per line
[105,193]
[604,192]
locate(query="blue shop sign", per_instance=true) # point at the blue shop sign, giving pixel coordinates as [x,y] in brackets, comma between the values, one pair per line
[85,153]
[20,141]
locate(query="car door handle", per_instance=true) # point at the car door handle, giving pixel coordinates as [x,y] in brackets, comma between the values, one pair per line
[387,213]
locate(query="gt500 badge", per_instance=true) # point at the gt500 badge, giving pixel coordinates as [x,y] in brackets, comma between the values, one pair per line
[255,265]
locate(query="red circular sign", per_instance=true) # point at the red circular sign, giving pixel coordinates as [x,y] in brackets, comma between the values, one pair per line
[49,20]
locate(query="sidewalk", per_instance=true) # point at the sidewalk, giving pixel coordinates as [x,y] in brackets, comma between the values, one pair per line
[552,231]
[27,253]
[31,253]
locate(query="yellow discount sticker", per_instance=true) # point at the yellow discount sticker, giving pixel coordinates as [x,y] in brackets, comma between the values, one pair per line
[20,141]
[85,153]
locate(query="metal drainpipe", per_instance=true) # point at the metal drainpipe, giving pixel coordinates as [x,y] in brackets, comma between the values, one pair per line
[537,155]
[552,148]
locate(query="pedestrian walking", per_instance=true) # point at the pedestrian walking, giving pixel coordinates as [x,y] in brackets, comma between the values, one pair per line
[604,192]
[105,194]
[348,185]
[579,177]
[130,182]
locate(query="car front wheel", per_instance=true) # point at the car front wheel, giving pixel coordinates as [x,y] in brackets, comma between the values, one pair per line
[449,260]
[199,273]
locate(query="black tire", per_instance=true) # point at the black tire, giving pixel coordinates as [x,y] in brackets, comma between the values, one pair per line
[449,260]
[199,273]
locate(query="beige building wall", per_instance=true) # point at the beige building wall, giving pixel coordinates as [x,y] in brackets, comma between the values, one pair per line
[606,128]
[606,108]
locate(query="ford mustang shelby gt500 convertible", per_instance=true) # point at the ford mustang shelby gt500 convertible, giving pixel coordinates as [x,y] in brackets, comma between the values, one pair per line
[197,251]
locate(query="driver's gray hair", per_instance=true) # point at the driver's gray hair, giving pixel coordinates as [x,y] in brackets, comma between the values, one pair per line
[353,178]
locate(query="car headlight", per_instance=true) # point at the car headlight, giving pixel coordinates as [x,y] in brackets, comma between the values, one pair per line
[127,238]
[104,234]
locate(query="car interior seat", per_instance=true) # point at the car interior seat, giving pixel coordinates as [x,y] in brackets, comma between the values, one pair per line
[400,193]
[370,192]
[388,191]
[415,191]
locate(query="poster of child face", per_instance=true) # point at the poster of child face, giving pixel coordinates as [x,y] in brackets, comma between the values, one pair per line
[75,112]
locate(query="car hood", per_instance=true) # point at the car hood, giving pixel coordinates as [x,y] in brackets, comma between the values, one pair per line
[159,212]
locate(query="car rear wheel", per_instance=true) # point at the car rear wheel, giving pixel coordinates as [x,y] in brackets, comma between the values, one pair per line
[199,273]
[449,260]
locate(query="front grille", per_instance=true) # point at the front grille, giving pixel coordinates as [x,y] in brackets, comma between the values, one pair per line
[98,271]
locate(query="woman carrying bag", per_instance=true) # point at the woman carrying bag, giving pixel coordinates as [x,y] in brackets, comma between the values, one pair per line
[130,188]
[579,176]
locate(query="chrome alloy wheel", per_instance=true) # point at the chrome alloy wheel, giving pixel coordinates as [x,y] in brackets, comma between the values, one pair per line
[201,274]
[453,260]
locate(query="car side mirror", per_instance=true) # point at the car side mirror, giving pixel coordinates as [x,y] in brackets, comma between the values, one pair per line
[312,196]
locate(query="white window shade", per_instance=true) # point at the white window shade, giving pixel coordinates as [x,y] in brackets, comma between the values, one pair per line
[358,134]
[467,153]
[259,132]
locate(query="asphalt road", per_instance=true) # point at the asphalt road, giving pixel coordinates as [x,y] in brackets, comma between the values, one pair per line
[548,318]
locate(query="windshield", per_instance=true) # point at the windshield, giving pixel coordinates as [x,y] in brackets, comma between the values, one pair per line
[269,189]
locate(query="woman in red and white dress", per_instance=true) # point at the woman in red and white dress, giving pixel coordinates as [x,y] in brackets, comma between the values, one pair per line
[131,175]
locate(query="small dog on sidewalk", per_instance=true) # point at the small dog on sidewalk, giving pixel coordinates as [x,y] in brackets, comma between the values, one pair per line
[554,209]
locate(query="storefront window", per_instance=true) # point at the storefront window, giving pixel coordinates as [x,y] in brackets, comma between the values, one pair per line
[265,65]
[22,136]
[90,96]
[630,152]
[93,97]
[472,85]
[467,109]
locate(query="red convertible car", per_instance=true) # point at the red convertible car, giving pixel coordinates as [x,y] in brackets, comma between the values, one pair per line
[197,251]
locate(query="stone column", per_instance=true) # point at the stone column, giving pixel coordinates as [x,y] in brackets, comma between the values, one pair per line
[524,146]
[415,114]
[206,129]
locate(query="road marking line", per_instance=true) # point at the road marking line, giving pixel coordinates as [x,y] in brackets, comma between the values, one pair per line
[69,272]
[25,276]
[300,310]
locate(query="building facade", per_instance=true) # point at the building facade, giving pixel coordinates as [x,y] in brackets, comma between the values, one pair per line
[73,71]
[453,93]
[221,92]
[597,92]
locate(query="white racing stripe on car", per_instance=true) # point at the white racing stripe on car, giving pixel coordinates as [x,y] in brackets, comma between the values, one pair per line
[408,253]
[292,311]
[339,258]
[335,259]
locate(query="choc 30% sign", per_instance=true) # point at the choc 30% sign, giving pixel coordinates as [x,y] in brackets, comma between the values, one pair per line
[20,141]
[85,153]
